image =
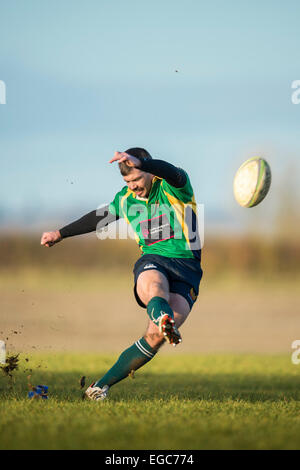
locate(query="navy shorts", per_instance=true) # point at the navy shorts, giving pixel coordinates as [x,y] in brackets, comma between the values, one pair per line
[184,275]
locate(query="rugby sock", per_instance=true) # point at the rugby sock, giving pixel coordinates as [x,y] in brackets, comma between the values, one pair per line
[130,360]
[158,307]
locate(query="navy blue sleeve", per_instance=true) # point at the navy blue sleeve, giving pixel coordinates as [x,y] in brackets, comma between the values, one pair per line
[96,219]
[173,175]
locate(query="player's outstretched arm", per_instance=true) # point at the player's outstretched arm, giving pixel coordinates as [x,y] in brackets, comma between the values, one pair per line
[96,219]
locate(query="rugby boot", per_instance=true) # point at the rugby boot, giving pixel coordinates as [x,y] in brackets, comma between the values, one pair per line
[96,393]
[169,329]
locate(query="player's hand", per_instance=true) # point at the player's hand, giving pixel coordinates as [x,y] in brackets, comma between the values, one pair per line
[50,238]
[125,157]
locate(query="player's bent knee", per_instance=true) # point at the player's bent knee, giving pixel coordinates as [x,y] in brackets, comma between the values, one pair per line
[155,289]
[152,284]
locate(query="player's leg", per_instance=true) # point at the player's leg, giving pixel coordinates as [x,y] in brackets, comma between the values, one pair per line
[151,285]
[129,361]
[141,352]
[181,310]
[155,285]
[148,287]
[152,290]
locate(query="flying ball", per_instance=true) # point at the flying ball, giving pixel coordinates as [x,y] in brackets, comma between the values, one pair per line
[252,182]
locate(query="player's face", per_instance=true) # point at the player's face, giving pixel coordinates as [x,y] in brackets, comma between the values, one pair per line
[139,182]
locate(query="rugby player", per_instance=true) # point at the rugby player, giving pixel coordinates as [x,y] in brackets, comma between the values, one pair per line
[158,202]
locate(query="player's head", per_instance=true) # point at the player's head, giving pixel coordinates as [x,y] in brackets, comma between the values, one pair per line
[141,154]
[137,180]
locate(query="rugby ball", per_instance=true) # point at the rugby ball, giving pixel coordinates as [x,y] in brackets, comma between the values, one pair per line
[252,182]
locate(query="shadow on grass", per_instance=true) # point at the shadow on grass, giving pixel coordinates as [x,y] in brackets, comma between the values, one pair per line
[181,386]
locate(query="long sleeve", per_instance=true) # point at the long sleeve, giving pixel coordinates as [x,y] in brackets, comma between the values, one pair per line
[96,219]
[174,176]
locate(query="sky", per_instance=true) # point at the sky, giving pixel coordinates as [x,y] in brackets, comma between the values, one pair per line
[203,85]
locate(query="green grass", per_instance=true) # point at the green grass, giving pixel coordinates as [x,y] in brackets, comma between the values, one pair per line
[175,402]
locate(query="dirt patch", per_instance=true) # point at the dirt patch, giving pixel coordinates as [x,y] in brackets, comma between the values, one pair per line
[240,318]
[12,364]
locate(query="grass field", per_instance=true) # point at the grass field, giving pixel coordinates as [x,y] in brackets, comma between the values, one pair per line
[230,385]
[190,401]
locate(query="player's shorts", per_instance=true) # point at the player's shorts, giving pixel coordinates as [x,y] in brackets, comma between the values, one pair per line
[184,275]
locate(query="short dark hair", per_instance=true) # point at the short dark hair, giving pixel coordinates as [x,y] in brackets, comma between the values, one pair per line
[136,152]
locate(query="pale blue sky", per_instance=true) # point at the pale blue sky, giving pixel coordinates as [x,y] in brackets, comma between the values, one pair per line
[87,78]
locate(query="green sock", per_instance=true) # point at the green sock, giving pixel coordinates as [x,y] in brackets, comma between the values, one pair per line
[158,307]
[131,359]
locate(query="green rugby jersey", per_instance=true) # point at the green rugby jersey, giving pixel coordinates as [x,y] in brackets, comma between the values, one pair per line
[165,223]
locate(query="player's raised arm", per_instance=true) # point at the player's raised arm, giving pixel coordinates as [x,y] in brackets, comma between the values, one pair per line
[173,175]
[96,219]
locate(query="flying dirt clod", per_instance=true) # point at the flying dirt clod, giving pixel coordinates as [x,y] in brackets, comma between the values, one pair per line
[12,363]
